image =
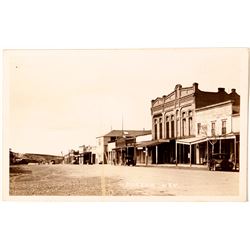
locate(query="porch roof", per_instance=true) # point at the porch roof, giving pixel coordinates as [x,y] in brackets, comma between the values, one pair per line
[195,140]
[151,143]
[192,140]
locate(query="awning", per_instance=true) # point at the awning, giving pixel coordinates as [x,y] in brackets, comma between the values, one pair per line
[195,140]
[192,140]
[151,143]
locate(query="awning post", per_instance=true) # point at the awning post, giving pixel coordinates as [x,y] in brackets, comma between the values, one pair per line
[156,154]
[190,153]
[207,153]
[235,152]
[176,153]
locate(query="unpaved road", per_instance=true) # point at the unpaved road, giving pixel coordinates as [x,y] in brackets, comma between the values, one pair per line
[108,180]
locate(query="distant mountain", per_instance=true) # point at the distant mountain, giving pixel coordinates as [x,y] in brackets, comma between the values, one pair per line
[18,158]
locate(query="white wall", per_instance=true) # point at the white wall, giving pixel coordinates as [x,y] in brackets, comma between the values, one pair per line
[236,123]
[144,138]
[111,146]
[216,114]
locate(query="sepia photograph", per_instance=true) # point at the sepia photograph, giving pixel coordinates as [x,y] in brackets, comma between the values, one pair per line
[126,124]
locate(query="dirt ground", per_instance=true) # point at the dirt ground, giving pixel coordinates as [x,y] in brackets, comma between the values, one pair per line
[106,180]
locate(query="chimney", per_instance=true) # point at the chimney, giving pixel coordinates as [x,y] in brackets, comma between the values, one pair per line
[195,86]
[233,91]
[178,86]
[220,90]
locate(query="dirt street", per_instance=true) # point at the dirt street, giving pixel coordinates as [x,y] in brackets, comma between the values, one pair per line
[108,180]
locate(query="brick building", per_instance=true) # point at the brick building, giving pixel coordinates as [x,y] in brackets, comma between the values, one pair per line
[174,121]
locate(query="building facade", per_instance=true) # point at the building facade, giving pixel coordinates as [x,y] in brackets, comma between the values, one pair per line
[87,155]
[176,117]
[72,157]
[117,145]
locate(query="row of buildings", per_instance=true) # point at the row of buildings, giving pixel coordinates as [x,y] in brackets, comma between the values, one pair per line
[188,126]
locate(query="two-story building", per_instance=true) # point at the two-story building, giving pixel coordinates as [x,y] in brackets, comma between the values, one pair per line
[174,122]
[217,131]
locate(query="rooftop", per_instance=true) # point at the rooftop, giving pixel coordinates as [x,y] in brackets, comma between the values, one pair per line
[131,133]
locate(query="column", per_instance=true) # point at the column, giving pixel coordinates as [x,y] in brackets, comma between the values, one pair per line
[190,154]
[146,156]
[207,153]
[235,151]
[197,153]
[176,153]
[156,154]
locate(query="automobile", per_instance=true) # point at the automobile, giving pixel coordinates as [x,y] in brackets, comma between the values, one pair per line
[130,161]
[220,162]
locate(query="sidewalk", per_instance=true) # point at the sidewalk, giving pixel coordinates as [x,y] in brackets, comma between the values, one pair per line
[179,166]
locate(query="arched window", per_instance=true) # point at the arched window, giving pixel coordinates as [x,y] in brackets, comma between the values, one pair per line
[190,125]
[160,128]
[172,126]
[155,128]
[183,127]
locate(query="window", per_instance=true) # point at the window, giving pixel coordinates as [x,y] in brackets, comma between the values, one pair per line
[213,128]
[177,127]
[172,128]
[160,136]
[183,114]
[177,113]
[190,126]
[224,127]
[198,128]
[190,113]
[156,131]
[183,127]
[167,130]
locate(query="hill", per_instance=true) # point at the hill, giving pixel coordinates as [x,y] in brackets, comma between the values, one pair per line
[26,158]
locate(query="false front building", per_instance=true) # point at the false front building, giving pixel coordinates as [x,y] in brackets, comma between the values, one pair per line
[117,146]
[176,119]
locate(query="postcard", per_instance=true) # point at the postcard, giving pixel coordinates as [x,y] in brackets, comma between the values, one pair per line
[126,124]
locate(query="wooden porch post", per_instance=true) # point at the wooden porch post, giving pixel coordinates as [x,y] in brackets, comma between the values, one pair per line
[190,152]
[176,153]
[207,152]
[235,151]
[156,154]
[146,156]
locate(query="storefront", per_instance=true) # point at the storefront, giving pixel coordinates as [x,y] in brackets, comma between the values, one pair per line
[199,150]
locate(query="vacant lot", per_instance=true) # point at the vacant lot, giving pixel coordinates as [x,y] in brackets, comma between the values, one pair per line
[120,180]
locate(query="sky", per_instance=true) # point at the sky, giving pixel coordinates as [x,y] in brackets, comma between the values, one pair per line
[61,99]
